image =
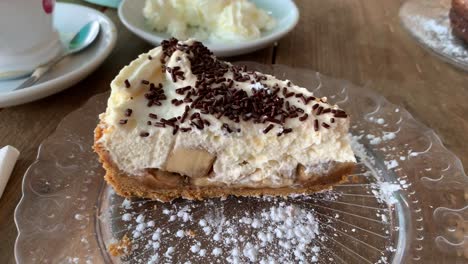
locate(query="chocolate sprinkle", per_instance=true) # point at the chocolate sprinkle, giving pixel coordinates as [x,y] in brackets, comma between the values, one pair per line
[276,121]
[226,126]
[174,131]
[155,95]
[319,110]
[303,118]
[128,112]
[197,124]
[340,114]
[293,115]
[183,89]
[310,99]
[154,116]
[177,102]
[268,128]
[325,125]
[123,121]
[145,82]
[127,83]
[144,134]
[214,94]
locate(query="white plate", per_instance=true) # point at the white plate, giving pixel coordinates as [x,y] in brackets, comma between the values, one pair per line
[68,19]
[284,11]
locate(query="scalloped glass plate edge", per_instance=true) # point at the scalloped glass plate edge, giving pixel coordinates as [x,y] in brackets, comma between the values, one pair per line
[457,181]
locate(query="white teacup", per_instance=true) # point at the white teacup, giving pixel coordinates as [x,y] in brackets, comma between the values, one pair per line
[27,36]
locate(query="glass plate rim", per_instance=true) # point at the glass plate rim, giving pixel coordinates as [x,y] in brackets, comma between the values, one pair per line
[428,132]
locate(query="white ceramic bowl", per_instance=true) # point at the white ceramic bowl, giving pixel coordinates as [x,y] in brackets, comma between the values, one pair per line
[284,11]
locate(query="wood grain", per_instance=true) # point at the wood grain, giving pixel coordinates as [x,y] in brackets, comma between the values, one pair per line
[358,40]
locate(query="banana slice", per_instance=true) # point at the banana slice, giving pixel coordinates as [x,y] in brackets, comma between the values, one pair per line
[164,179]
[190,162]
[205,181]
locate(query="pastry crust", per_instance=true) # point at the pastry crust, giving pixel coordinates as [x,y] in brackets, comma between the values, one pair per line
[154,185]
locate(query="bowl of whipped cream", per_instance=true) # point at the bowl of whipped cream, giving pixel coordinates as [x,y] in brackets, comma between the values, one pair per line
[227,27]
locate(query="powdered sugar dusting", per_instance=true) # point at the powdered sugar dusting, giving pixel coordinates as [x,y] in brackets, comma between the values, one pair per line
[391,164]
[279,231]
[382,190]
[386,192]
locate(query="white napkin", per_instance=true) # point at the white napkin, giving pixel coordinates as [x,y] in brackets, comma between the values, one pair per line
[8,157]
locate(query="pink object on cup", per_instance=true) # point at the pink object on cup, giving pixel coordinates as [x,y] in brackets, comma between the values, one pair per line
[48,6]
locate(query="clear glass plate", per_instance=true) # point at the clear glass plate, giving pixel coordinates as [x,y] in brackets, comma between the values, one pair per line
[428,22]
[404,202]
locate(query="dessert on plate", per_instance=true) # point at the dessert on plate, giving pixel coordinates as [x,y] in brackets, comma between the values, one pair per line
[227,20]
[459,18]
[181,123]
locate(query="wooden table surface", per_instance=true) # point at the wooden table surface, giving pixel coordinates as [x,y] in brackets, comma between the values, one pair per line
[358,40]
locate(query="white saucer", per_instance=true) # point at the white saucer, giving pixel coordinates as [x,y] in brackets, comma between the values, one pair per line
[284,11]
[68,19]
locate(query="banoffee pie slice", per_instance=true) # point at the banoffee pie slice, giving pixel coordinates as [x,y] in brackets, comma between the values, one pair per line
[181,123]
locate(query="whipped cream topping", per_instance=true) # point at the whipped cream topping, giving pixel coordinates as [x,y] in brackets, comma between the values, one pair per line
[228,20]
[159,103]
